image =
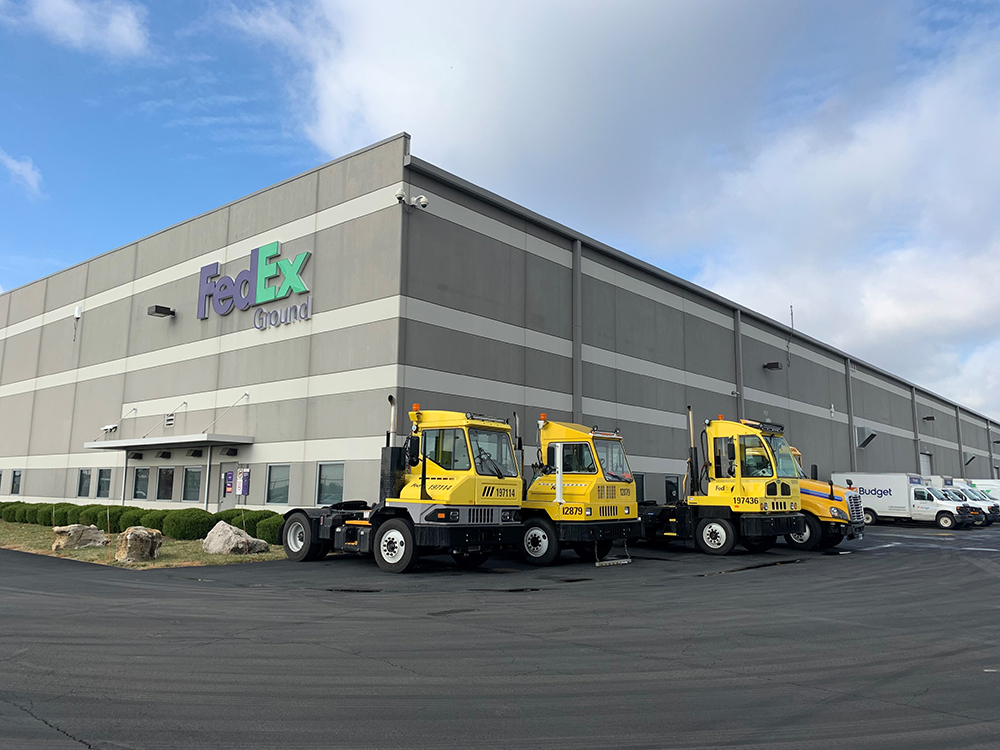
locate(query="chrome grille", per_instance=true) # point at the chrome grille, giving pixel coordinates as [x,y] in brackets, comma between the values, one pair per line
[854,507]
[608,511]
[480,515]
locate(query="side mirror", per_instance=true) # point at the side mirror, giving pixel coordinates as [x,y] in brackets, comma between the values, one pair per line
[413,450]
[814,472]
[731,450]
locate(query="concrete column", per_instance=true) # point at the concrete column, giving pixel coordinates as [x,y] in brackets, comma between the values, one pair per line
[578,331]
[916,428]
[852,436]
[989,447]
[961,450]
[738,336]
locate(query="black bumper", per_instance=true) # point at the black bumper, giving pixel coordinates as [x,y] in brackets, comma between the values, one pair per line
[854,530]
[457,537]
[993,517]
[967,518]
[759,524]
[595,531]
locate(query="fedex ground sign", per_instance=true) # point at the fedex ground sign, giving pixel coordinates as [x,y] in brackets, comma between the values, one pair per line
[269,279]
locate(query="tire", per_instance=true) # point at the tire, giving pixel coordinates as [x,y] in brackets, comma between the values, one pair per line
[585,550]
[980,523]
[808,539]
[715,536]
[298,540]
[871,517]
[395,546]
[540,543]
[945,520]
[469,560]
[829,542]
[758,543]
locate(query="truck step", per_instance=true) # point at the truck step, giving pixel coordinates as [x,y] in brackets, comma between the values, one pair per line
[606,563]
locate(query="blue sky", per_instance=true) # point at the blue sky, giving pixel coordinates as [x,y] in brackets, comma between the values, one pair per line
[840,157]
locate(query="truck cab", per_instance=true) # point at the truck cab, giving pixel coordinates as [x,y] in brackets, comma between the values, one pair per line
[832,513]
[581,496]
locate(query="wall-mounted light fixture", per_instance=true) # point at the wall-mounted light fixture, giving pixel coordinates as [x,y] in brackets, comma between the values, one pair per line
[163,454]
[135,455]
[772,365]
[161,311]
[929,418]
[969,458]
[195,453]
[865,436]
[229,451]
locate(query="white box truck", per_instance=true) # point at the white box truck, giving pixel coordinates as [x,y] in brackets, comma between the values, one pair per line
[906,497]
[962,490]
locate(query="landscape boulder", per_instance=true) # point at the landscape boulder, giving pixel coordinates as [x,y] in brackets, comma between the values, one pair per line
[78,536]
[224,539]
[138,544]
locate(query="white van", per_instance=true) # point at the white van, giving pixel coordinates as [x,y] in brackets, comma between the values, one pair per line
[962,491]
[907,497]
[989,487]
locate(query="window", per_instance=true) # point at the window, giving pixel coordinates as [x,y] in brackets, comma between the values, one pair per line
[493,452]
[640,487]
[192,484]
[577,458]
[140,483]
[330,485]
[104,482]
[447,448]
[15,482]
[754,461]
[165,483]
[920,495]
[673,489]
[788,467]
[277,484]
[83,483]
[611,455]
[725,467]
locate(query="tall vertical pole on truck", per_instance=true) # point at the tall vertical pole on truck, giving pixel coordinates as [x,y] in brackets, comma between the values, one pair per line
[694,483]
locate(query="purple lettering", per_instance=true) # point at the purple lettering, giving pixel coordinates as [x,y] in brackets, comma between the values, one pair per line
[222,300]
[206,288]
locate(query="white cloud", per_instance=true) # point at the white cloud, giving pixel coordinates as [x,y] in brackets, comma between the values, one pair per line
[839,157]
[116,28]
[24,172]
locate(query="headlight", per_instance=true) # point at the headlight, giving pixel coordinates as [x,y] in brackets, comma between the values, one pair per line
[590,511]
[836,512]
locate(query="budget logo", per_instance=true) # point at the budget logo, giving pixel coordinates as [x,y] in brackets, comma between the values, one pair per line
[265,281]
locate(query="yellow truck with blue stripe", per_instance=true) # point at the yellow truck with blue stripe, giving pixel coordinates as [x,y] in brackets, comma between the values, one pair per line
[832,513]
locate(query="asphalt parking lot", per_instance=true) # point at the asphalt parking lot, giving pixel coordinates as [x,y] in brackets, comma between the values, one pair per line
[892,645]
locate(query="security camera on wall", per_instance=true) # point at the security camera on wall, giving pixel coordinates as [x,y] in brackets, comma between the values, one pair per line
[400,195]
[421,201]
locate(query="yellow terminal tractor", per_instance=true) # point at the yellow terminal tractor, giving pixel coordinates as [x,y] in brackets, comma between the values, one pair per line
[581,496]
[832,513]
[752,494]
[454,487]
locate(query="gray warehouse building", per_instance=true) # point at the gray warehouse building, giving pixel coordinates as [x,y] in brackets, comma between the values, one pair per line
[246,355]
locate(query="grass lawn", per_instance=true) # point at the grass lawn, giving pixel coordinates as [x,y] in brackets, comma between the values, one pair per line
[29,537]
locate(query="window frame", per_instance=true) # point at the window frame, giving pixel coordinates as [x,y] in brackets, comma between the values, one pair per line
[424,448]
[586,444]
[79,482]
[111,476]
[173,481]
[319,476]
[184,485]
[267,485]
[15,478]
[135,474]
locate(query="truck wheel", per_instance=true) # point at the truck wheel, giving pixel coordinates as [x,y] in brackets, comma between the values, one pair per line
[979,522]
[715,536]
[946,520]
[395,547]
[871,517]
[469,560]
[758,543]
[540,545]
[299,544]
[586,551]
[809,538]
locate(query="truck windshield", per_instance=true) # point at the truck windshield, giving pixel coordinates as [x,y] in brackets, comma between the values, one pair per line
[788,467]
[955,497]
[493,452]
[612,458]
[936,494]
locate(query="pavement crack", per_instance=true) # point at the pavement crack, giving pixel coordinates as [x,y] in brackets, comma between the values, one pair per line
[49,724]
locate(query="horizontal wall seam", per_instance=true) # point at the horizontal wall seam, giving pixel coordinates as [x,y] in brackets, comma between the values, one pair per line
[623,362]
[798,350]
[783,402]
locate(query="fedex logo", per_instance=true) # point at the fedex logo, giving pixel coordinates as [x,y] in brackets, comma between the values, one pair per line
[252,286]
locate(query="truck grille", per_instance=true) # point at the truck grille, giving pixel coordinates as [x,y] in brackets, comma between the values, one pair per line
[607,492]
[607,511]
[854,507]
[480,515]
[778,504]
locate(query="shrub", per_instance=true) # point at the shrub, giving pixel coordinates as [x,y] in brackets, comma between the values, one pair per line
[190,523]
[107,518]
[44,515]
[73,513]
[94,515]
[153,519]
[60,514]
[252,519]
[228,515]
[22,514]
[131,517]
[269,529]
[9,512]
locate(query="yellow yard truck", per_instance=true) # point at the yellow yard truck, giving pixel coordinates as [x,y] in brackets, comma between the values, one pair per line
[454,487]
[581,496]
[832,513]
[746,492]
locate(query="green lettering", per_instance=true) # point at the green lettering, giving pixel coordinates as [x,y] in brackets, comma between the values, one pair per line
[290,269]
[266,271]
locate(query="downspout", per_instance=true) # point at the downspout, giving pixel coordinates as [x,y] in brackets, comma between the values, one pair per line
[208,474]
[961,449]
[852,436]
[578,331]
[916,426]
[738,334]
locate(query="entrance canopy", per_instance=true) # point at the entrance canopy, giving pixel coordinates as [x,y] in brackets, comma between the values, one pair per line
[165,442]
